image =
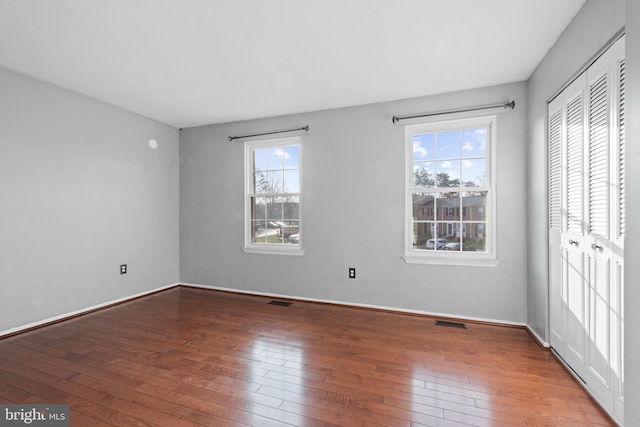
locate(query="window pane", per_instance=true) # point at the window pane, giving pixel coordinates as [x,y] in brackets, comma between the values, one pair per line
[437,237]
[260,160]
[440,230]
[448,207]
[474,142]
[474,237]
[291,157]
[424,174]
[452,231]
[275,158]
[423,147]
[474,172]
[274,182]
[260,183]
[422,233]
[448,145]
[464,237]
[275,237]
[291,208]
[448,173]
[423,208]
[259,232]
[258,208]
[274,209]
[290,232]
[474,205]
[291,181]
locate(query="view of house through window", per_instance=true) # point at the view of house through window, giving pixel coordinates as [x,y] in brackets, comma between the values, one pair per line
[453,221]
[449,186]
[273,193]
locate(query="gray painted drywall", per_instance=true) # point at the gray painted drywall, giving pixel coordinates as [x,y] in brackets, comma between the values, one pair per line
[353,209]
[632,240]
[594,25]
[81,193]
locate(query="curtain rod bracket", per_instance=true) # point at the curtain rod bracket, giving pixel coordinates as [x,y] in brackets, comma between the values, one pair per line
[509,105]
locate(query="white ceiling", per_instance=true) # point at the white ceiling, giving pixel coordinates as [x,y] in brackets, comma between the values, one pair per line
[194,62]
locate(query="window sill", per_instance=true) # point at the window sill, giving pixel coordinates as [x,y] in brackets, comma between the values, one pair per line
[464,261]
[291,250]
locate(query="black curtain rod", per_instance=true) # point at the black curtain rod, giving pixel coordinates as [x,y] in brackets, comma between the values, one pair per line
[304,128]
[510,105]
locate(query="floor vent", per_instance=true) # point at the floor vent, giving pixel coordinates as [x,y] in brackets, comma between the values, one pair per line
[451,324]
[282,303]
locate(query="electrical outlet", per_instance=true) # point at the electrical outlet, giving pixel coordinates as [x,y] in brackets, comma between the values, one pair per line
[352,273]
[123,268]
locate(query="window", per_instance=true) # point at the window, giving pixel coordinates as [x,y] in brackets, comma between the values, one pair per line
[272,196]
[449,192]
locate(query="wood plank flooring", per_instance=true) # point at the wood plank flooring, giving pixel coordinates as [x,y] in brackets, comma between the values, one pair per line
[193,357]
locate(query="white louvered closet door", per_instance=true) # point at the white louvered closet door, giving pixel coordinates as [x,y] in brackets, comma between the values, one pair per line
[586,226]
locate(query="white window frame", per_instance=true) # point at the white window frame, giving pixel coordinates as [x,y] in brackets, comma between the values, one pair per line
[464,258]
[269,248]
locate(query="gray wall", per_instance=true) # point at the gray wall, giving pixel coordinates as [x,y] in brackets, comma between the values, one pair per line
[81,193]
[353,210]
[632,240]
[596,23]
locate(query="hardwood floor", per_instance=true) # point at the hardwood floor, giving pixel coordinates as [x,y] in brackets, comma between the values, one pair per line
[192,357]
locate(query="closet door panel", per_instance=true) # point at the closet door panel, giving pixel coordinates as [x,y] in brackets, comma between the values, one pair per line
[586,227]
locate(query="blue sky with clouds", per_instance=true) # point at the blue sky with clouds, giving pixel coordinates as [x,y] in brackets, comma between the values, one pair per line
[460,153]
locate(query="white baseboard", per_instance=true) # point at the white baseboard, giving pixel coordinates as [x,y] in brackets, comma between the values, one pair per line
[537,337]
[353,304]
[61,317]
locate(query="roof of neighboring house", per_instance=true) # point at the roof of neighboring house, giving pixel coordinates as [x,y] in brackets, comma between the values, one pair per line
[426,200]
